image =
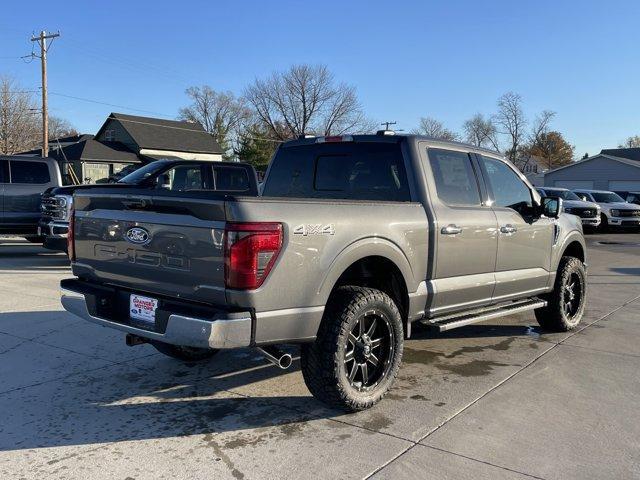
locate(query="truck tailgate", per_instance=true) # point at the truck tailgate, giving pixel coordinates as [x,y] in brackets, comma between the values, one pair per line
[160,244]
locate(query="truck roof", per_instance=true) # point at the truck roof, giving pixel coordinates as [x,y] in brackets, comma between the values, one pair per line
[389,138]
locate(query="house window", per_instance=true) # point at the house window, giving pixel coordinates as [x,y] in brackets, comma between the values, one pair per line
[110,135]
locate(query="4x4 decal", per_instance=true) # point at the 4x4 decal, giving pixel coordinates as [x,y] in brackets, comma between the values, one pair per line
[314,229]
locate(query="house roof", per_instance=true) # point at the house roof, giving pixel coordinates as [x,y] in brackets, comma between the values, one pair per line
[633,163]
[92,150]
[628,153]
[160,134]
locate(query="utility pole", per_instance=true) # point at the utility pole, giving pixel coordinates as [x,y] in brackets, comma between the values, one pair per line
[387,124]
[42,41]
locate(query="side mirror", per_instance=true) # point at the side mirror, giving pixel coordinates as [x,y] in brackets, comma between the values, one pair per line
[551,207]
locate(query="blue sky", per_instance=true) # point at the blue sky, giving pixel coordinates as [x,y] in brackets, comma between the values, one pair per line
[447,59]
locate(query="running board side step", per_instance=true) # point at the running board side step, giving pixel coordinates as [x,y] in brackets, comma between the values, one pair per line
[449,322]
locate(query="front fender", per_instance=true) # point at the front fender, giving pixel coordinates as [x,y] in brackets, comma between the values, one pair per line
[570,230]
[362,248]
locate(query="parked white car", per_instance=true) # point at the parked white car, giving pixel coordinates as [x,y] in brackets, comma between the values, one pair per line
[589,212]
[615,212]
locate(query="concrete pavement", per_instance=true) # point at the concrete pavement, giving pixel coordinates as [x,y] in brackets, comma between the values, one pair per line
[498,400]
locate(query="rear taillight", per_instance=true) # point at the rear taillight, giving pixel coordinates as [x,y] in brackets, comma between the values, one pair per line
[251,249]
[71,243]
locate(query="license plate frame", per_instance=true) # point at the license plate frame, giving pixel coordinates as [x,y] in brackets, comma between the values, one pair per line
[142,310]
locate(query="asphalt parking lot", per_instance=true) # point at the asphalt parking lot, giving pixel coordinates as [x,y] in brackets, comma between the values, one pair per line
[499,400]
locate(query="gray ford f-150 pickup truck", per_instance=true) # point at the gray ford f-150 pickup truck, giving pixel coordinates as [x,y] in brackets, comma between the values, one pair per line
[354,239]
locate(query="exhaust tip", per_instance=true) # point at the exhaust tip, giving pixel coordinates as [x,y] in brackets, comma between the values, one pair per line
[285,361]
[278,358]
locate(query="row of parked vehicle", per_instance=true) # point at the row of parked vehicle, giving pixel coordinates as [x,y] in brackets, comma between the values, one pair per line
[36,205]
[352,240]
[599,208]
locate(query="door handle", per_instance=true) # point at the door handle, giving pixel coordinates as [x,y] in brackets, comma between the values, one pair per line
[451,229]
[508,228]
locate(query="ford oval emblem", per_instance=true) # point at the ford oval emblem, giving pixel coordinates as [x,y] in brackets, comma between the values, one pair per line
[137,235]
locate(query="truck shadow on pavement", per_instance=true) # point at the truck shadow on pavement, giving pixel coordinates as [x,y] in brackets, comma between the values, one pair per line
[235,395]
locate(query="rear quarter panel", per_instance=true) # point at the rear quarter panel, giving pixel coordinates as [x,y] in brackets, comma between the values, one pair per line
[322,238]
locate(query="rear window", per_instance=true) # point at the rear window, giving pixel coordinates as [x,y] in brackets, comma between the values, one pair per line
[29,172]
[358,171]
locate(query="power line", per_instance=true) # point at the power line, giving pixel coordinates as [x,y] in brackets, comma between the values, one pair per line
[110,104]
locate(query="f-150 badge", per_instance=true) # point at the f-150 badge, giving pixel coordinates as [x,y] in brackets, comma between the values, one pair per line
[314,229]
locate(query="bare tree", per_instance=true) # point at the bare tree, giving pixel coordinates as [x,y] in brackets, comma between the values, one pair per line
[305,99]
[221,114]
[481,132]
[434,128]
[19,125]
[540,126]
[631,142]
[511,122]
[60,127]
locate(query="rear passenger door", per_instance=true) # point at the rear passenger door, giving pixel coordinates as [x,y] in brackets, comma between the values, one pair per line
[524,239]
[28,180]
[465,227]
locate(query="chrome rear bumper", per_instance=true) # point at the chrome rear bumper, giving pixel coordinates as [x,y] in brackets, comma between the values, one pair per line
[232,330]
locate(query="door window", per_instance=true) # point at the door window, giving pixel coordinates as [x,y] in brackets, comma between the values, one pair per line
[29,172]
[182,178]
[456,182]
[508,188]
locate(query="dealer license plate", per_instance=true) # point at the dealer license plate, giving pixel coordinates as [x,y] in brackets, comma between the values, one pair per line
[143,309]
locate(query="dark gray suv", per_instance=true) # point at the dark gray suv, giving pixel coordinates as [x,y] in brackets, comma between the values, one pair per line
[22,182]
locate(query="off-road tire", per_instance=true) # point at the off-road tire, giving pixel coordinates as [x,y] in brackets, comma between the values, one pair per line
[188,354]
[323,361]
[554,316]
[604,223]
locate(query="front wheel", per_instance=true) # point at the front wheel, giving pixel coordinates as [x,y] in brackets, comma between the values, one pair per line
[358,350]
[189,354]
[604,223]
[34,239]
[565,305]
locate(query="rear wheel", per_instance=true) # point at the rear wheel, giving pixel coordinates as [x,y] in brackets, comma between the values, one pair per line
[565,305]
[358,350]
[179,352]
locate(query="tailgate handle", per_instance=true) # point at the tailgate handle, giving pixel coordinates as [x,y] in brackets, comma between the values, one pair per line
[138,203]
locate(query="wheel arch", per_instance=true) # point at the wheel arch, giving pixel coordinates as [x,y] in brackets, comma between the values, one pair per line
[375,263]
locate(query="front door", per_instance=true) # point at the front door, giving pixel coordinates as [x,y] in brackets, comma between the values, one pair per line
[524,239]
[465,229]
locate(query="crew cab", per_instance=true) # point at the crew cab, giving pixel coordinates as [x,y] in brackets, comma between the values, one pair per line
[172,175]
[354,239]
[23,180]
[615,211]
[588,212]
[631,197]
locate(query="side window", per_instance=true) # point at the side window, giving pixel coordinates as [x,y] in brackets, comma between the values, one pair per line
[231,179]
[456,182]
[29,172]
[508,188]
[181,178]
[4,171]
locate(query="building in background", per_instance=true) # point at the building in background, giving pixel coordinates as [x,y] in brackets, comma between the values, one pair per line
[611,169]
[533,168]
[124,142]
